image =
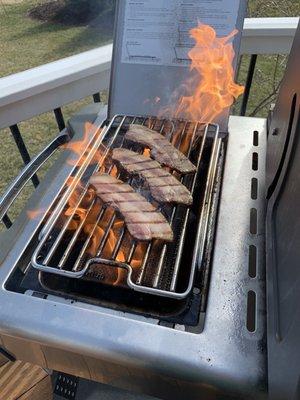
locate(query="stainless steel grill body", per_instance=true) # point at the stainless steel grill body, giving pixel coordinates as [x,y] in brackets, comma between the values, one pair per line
[226,360]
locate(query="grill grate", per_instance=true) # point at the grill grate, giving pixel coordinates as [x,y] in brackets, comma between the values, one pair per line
[98,246]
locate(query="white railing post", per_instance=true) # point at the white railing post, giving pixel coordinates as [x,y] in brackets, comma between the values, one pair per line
[268,35]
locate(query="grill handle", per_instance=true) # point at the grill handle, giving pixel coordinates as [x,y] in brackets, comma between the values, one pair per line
[30,169]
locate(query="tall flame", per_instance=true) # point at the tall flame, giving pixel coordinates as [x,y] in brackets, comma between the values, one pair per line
[80,148]
[210,89]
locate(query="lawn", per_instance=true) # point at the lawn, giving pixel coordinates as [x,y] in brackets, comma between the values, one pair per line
[25,43]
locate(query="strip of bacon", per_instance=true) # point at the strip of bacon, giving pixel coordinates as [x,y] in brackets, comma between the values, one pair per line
[164,187]
[161,149]
[142,219]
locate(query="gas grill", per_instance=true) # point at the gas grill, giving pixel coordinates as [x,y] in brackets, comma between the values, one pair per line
[186,319]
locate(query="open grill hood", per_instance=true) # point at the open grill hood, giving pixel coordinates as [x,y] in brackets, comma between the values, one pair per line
[143,81]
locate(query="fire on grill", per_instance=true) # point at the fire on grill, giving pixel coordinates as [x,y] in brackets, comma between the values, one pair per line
[138,208]
[86,237]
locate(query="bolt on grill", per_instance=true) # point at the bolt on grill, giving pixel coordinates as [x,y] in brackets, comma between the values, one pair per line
[99,247]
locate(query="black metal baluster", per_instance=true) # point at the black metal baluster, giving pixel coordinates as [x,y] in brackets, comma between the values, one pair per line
[7,221]
[97,98]
[238,68]
[23,150]
[250,75]
[59,119]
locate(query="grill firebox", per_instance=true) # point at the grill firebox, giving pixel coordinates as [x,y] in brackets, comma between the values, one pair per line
[99,249]
[104,327]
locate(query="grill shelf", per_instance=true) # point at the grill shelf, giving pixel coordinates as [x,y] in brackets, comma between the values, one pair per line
[67,248]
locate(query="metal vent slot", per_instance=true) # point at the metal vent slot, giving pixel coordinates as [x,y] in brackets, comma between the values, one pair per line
[253,221]
[255,161]
[251,311]
[252,261]
[255,138]
[254,188]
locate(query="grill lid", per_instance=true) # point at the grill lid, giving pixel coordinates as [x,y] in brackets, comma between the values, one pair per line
[283,236]
[150,49]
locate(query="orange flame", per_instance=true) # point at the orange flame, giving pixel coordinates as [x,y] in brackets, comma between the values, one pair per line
[78,147]
[81,148]
[36,214]
[114,276]
[211,88]
[146,152]
[78,205]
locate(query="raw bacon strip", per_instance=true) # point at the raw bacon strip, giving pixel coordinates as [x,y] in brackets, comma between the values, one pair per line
[147,217]
[143,220]
[164,187]
[132,206]
[147,231]
[161,149]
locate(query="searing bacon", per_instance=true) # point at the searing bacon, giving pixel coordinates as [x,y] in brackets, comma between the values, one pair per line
[161,149]
[142,219]
[164,187]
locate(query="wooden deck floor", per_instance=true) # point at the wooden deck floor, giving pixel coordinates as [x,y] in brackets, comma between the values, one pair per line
[24,381]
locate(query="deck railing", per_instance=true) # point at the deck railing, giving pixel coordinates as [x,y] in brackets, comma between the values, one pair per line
[49,87]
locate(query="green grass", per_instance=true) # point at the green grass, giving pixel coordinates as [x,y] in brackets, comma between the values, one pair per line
[26,43]
[273,8]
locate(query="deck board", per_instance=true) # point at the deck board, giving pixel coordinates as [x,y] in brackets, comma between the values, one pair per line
[24,381]
[41,391]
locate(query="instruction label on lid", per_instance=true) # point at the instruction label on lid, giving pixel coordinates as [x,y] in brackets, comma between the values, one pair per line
[156,32]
